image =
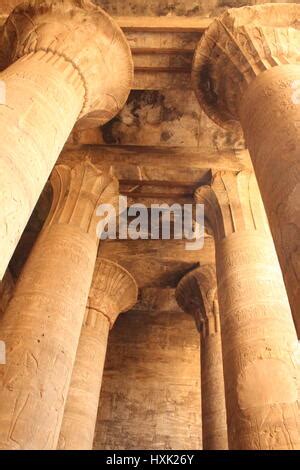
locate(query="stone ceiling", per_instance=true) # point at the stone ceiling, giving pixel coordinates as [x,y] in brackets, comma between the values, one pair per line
[162,7]
[175,7]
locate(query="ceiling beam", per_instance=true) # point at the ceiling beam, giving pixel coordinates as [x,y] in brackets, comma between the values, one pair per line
[170,24]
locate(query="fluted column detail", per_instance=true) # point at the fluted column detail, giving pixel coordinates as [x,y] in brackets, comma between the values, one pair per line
[259,341]
[42,324]
[113,291]
[247,70]
[62,62]
[197,295]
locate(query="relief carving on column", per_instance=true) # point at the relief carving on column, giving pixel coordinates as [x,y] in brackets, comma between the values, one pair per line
[258,335]
[77,192]
[236,48]
[86,38]
[197,294]
[113,291]
[43,321]
[232,203]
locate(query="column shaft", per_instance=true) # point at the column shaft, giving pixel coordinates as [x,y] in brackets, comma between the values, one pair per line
[259,345]
[270,116]
[44,97]
[42,324]
[259,341]
[41,328]
[80,415]
[113,291]
[214,426]
[246,71]
[62,63]
[197,294]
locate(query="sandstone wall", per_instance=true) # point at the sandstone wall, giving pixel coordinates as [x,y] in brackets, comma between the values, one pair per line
[150,396]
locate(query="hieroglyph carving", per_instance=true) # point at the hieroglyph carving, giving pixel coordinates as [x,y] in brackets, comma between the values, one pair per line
[247,69]
[42,324]
[113,291]
[62,62]
[259,342]
[197,294]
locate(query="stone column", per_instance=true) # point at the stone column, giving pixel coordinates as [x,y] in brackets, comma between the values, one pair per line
[62,62]
[197,295]
[113,291]
[259,341]
[247,69]
[42,324]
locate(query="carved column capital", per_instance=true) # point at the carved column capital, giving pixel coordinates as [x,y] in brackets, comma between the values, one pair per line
[236,48]
[113,291]
[232,203]
[77,192]
[197,295]
[86,38]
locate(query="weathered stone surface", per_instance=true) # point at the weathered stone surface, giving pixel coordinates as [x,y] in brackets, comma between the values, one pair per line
[41,326]
[247,69]
[88,40]
[8,5]
[176,7]
[150,397]
[154,8]
[54,73]
[167,403]
[197,295]
[259,341]
[174,168]
[271,120]
[163,118]
[238,47]
[174,175]
[113,291]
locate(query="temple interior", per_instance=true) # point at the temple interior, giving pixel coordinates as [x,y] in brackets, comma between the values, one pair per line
[127,343]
